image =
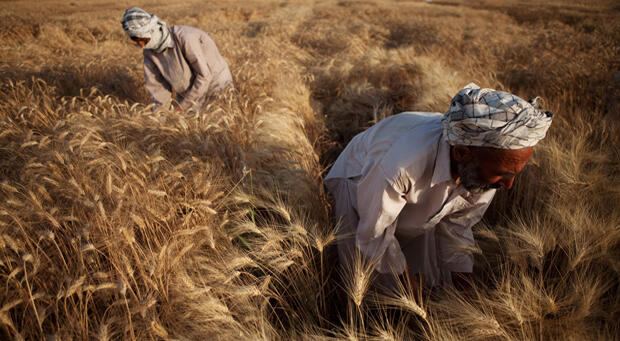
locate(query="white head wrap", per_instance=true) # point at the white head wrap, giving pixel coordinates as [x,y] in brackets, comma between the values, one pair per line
[140,24]
[490,118]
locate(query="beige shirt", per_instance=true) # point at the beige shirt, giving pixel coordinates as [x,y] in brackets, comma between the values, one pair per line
[193,68]
[400,169]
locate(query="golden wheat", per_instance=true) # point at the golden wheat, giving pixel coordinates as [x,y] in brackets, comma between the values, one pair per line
[120,223]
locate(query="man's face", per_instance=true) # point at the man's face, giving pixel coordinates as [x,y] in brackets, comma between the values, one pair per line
[488,168]
[141,41]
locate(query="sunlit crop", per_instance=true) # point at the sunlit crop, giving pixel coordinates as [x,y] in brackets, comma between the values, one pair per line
[120,223]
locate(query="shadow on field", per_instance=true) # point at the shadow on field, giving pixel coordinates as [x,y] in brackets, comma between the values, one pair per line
[319,39]
[70,80]
[11,162]
[543,13]
[445,3]
[420,35]
[354,99]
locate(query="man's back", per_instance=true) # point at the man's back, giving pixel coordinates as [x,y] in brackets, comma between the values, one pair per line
[397,142]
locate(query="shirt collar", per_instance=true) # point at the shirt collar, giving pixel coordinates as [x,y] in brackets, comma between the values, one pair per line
[441,171]
[171,43]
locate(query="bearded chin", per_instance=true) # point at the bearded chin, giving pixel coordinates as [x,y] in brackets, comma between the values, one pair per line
[470,179]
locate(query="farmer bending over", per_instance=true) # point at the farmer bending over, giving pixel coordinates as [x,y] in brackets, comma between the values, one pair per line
[408,190]
[179,61]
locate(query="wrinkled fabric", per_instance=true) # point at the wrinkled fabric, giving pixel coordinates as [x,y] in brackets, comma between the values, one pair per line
[490,118]
[138,23]
[399,205]
[192,68]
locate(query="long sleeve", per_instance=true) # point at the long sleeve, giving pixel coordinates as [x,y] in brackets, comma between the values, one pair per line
[379,204]
[157,86]
[197,56]
[454,235]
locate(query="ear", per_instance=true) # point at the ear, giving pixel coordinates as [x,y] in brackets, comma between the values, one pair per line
[461,154]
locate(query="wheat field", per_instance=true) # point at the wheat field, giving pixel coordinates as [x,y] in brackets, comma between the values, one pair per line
[117,223]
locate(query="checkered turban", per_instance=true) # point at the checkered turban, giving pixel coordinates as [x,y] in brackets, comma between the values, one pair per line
[490,118]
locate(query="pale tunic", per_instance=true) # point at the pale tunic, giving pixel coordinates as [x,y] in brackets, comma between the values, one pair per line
[395,195]
[193,68]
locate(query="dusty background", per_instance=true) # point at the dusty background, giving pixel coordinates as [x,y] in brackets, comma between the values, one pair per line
[117,223]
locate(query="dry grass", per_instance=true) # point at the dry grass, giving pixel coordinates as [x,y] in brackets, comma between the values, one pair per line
[117,223]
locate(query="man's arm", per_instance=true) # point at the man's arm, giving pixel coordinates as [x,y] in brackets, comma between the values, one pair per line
[455,237]
[157,86]
[196,54]
[379,204]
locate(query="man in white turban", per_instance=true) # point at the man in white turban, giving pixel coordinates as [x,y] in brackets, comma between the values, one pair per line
[408,190]
[180,62]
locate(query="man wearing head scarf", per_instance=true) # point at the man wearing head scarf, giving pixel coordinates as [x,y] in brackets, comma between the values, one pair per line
[179,61]
[408,190]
